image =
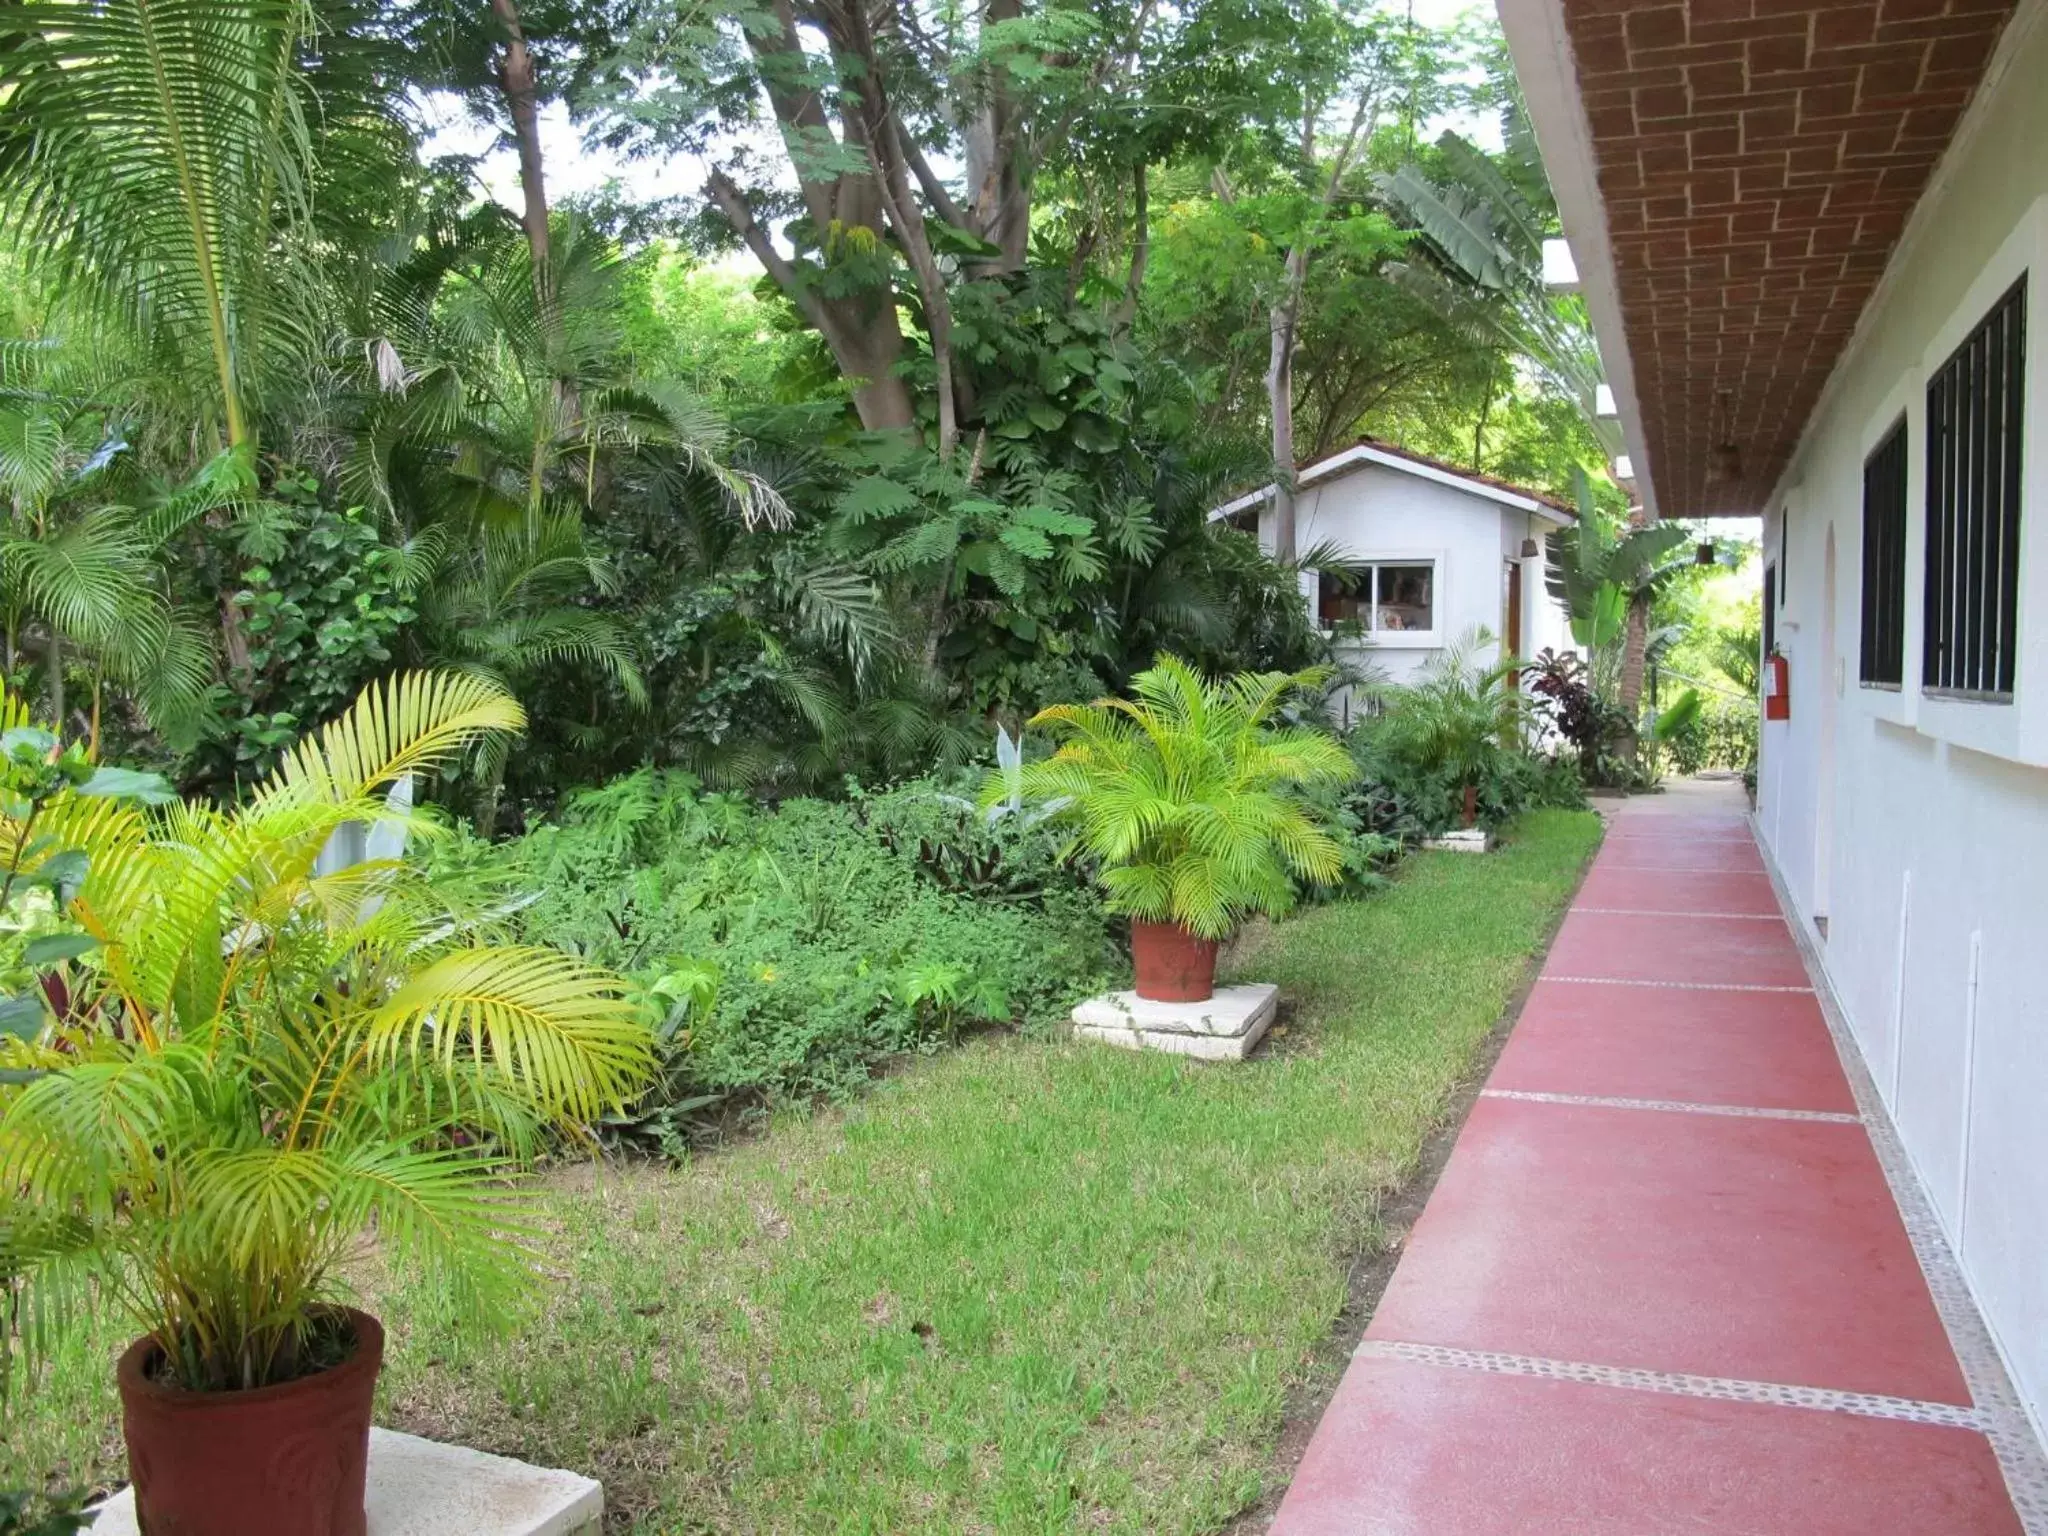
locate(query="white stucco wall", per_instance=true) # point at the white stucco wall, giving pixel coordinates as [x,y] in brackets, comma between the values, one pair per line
[1375,512]
[1899,817]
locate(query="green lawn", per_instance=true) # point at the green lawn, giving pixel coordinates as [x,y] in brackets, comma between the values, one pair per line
[1021,1287]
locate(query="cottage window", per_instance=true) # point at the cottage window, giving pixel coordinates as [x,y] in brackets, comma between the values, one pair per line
[1975,415]
[1882,660]
[1385,598]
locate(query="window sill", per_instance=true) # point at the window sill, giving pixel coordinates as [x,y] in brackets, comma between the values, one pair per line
[1395,640]
[1997,726]
[1966,695]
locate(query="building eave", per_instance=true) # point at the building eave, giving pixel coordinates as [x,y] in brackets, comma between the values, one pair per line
[1542,54]
[1348,460]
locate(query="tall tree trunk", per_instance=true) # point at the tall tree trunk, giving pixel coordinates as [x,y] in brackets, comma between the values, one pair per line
[522,101]
[1283,319]
[860,327]
[1635,650]
[1141,247]
[861,330]
[999,203]
[56,666]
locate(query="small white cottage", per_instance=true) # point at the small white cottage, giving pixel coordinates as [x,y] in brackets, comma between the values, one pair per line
[1445,551]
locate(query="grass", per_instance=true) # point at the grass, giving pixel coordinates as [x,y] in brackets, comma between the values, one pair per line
[1025,1287]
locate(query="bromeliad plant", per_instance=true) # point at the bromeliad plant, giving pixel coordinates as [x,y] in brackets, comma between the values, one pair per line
[225,1068]
[1187,794]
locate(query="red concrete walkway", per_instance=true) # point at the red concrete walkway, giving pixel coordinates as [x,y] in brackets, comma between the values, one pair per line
[1662,1284]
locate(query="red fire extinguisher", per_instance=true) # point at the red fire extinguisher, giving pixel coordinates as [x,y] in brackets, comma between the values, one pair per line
[1777,687]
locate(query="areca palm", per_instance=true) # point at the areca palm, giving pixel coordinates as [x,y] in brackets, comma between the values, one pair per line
[155,157]
[80,568]
[1456,722]
[1186,793]
[223,1067]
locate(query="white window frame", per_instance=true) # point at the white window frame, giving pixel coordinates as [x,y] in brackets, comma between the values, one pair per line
[1399,639]
[2016,730]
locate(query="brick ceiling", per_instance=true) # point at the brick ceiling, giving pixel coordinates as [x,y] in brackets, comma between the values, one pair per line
[1758,160]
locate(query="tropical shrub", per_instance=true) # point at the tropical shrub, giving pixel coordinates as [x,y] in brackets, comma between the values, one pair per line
[794,948]
[318,599]
[1565,700]
[1446,738]
[224,1067]
[1721,733]
[1402,802]
[1190,796]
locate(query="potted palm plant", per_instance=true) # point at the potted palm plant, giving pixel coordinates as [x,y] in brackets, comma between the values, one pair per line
[1185,795]
[224,1072]
[1457,722]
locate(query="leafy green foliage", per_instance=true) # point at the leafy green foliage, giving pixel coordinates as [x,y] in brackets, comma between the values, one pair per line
[1452,728]
[1457,737]
[322,601]
[1022,1245]
[1188,794]
[1720,733]
[255,1063]
[56,1514]
[793,949]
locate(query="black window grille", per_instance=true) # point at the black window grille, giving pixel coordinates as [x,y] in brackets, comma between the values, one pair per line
[1770,609]
[1975,422]
[1883,657]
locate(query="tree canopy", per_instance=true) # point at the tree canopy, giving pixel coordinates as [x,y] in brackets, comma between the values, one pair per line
[896,407]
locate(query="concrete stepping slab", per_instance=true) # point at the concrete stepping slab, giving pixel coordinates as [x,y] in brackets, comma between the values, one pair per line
[1682,854]
[1669,890]
[1224,1027]
[424,1488]
[1700,949]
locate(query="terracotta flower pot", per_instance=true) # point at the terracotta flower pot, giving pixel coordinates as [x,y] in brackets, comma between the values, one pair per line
[288,1460]
[1173,965]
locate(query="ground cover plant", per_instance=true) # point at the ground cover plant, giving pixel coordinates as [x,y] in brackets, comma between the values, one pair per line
[795,947]
[1009,1289]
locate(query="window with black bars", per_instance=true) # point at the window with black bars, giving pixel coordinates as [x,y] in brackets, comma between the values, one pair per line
[1975,414]
[1770,609]
[1882,661]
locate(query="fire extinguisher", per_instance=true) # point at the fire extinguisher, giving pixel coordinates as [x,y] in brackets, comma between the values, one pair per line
[1777,687]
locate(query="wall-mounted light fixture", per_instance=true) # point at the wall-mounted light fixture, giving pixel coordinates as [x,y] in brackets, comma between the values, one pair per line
[1603,401]
[1623,469]
[1560,272]
[1530,549]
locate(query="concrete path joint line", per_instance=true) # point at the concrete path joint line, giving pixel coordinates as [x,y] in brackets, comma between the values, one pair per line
[1747,917]
[1676,1106]
[1686,986]
[1721,1388]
